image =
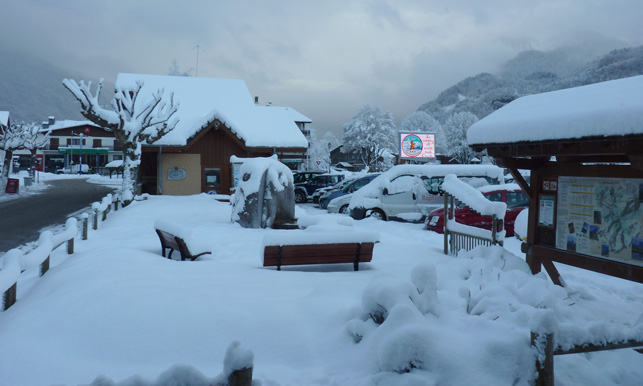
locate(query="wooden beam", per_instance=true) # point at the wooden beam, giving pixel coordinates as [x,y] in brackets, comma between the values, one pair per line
[524,185]
[632,343]
[608,267]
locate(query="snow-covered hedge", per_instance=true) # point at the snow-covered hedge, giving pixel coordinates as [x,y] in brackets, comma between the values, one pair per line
[491,307]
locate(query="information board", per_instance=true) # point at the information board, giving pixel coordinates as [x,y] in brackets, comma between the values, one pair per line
[601,217]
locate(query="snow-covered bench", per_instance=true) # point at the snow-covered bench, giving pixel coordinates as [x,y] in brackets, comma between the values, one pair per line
[318,246]
[175,237]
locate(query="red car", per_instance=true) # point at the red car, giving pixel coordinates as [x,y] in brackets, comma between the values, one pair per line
[515,198]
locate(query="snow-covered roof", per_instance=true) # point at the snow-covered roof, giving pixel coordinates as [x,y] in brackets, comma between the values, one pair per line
[203,100]
[4,118]
[612,108]
[66,124]
[295,115]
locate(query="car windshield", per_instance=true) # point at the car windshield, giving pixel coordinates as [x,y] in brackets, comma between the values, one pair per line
[517,200]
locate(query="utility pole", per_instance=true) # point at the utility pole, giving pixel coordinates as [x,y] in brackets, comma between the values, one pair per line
[198,48]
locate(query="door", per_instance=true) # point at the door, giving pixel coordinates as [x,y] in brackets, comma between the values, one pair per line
[401,196]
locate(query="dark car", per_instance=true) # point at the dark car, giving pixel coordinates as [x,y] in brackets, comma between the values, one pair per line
[300,177]
[350,187]
[511,194]
[338,186]
[305,190]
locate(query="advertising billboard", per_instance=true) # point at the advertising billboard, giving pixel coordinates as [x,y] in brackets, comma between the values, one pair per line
[417,146]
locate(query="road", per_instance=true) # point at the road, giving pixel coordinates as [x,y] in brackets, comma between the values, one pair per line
[22,219]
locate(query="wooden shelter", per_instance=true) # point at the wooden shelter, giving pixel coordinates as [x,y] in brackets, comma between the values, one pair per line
[584,148]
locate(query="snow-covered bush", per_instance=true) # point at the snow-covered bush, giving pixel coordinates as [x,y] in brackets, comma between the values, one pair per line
[495,300]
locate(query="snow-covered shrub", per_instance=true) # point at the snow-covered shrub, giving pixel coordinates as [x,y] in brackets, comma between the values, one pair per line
[381,296]
[520,224]
[407,348]
[424,278]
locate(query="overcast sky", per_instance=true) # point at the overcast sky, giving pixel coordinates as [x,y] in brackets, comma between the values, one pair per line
[323,58]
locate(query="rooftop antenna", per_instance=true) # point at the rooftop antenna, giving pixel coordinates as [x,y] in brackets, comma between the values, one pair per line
[198,48]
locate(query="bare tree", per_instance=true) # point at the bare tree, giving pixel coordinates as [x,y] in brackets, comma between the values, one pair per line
[135,120]
[11,139]
[34,139]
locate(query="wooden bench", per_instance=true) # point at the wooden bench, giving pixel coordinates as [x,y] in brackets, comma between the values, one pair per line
[172,242]
[305,254]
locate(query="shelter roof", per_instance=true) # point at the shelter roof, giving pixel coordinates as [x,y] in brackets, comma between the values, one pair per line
[607,109]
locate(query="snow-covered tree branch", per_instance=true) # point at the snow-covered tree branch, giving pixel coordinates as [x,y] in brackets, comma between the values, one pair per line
[34,139]
[11,139]
[455,137]
[371,133]
[136,119]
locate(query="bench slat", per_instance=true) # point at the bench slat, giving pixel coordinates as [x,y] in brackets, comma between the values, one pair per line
[318,254]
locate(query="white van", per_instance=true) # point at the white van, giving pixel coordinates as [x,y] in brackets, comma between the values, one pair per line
[411,192]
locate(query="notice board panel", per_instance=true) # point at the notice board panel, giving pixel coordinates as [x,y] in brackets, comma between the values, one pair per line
[601,217]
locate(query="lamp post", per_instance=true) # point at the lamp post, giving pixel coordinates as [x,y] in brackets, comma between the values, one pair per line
[80,167]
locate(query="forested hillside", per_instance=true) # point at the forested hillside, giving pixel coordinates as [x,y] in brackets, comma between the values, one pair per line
[532,72]
[31,89]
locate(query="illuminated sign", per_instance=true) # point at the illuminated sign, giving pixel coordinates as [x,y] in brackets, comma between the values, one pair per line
[417,145]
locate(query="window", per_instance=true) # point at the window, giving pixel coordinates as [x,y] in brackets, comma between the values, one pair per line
[494,197]
[433,185]
[517,200]
[212,177]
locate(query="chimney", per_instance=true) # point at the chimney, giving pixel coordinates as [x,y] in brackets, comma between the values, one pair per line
[45,124]
[256,100]
[52,120]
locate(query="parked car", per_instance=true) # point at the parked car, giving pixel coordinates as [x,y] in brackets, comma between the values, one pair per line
[305,190]
[348,188]
[73,169]
[300,177]
[511,194]
[411,192]
[338,186]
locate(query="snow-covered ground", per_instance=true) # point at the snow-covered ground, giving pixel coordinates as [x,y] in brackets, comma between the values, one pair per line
[116,309]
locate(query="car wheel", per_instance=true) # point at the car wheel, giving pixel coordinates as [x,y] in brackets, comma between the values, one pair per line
[344,209]
[377,214]
[300,197]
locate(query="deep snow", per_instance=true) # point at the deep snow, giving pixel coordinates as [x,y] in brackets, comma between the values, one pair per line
[116,308]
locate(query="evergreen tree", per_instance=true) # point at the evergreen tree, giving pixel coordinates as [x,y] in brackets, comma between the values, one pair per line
[455,137]
[371,134]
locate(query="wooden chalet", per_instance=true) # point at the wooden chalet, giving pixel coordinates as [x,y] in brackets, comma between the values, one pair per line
[584,147]
[217,119]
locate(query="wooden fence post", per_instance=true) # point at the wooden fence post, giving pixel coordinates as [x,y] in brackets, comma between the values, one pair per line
[85,218]
[95,219]
[446,216]
[242,377]
[545,347]
[44,267]
[70,246]
[9,297]
[116,203]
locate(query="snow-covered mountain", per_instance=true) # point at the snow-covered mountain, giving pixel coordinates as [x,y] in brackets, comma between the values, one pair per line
[31,89]
[532,72]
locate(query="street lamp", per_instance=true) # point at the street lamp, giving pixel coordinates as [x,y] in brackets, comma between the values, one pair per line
[80,165]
